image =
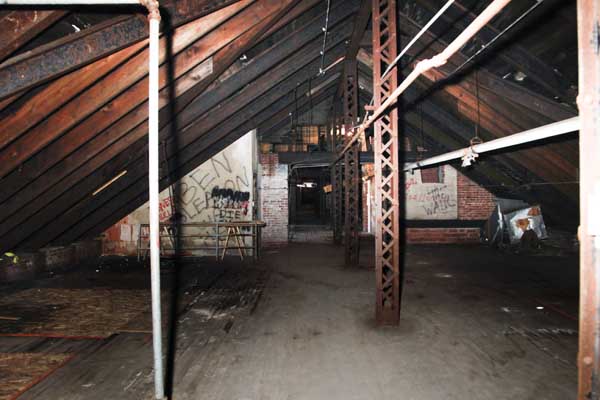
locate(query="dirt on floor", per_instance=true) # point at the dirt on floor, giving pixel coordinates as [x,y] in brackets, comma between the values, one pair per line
[475,324]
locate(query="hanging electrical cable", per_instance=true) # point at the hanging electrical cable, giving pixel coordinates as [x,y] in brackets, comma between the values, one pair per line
[325,32]
[310,101]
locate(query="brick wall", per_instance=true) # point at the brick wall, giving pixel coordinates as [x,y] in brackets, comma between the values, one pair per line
[273,193]
[474,203]
[442,235]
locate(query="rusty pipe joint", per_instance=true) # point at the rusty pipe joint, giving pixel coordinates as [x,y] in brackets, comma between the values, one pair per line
[153,9]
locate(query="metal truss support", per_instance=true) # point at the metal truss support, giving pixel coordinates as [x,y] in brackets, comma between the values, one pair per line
[588,21]
[387,168]
[350,96]
[352,207]
[352,186]
[337,201]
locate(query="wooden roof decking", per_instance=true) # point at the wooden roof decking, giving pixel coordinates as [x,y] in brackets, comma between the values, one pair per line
[70,126]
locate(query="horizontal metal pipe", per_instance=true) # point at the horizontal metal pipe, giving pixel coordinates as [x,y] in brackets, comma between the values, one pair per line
[425,65]
[532,135]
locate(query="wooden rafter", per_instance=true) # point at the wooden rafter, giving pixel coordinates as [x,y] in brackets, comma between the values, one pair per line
[20,26]
[74,51]
[224,115]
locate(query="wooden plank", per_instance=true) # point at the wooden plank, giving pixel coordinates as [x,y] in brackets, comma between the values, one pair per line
[495,124]
[20,26]
[135,199]
[56,93]
[459,16]
[119,138]
[361,22]
[116,108]
[510,90]
[79,49]
[197,137]
[101,92]
[588,358]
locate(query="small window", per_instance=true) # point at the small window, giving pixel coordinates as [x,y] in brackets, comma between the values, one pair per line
[432,175]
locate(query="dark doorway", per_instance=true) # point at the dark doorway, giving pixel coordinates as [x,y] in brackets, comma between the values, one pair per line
[308,205]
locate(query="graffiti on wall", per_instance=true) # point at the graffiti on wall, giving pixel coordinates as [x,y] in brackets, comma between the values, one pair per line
[216,192]
[432,200]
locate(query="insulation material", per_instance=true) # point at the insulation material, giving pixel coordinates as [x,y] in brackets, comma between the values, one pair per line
[520,221]
[20,371]
[75,312]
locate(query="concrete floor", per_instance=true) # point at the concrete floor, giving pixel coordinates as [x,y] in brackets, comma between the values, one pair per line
[476,324]
[470,330]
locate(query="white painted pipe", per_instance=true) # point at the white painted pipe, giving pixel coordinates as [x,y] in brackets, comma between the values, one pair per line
[425,65]
[532,135]
[154,192]
[153,167]
[417,37]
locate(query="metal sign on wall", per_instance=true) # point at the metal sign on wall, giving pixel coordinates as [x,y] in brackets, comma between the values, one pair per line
[432,194]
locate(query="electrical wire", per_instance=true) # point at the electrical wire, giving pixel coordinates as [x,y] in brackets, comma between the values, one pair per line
[325,32]
[498,36]
[417,37]
[483,48]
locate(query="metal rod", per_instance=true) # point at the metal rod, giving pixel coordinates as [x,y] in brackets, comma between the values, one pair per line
[498,36]
[325,31]
[532,135]
[425,65]
[154,192]
[417,37]
[153,167]
[411,43]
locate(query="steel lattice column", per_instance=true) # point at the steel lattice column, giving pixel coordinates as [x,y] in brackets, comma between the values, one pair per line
[337,182]
[588,21]
[387,169]
[352,197]
[352,186]
[350,95]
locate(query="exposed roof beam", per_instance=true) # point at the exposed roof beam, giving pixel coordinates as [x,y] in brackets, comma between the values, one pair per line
[544,75]
[134,69]
[76,50]
[95,150]
[181,162]
[510,90]
[211,119]
[94,153]
[361,21]
[20,26]
[133,203]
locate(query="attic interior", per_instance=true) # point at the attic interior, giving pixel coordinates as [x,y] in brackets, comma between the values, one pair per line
[299,199]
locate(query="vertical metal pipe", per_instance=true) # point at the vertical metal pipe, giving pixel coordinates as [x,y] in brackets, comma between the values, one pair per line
[154,192]
[588,20]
